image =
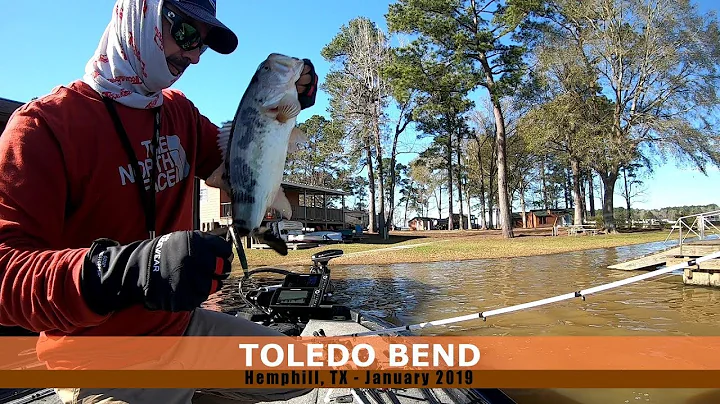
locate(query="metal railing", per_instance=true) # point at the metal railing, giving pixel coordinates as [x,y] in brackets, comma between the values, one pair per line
[699,225]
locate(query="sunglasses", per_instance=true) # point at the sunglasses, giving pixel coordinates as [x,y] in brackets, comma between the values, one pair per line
[185,34]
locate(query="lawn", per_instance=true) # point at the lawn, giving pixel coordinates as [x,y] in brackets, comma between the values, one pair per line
[413,247]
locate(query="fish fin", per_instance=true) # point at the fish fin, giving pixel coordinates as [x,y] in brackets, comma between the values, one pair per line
[288,108]
[281,204]
[266,236]
[218,179]
[297,137]
[223,138]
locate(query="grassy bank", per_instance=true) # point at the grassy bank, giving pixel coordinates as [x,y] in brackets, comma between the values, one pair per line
[414,247]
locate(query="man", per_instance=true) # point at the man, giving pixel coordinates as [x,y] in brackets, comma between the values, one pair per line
[85,249]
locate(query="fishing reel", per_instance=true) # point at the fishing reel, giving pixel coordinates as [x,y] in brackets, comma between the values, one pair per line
[298,299]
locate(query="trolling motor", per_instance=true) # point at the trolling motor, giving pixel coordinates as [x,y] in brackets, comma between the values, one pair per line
[300,297]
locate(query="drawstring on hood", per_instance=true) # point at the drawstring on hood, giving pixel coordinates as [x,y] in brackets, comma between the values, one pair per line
[129,64]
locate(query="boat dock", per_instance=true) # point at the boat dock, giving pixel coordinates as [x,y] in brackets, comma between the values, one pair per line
[648,262]
[703,274]
[697,227]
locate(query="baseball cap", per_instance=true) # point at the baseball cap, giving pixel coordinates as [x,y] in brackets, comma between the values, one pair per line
[220,38]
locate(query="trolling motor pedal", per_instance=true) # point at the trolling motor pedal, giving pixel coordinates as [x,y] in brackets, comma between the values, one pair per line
[323,257]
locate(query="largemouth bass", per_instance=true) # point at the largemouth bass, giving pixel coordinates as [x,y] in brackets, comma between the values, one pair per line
[255,148]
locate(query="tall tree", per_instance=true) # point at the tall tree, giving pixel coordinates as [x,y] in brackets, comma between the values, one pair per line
[482,164]
[424,185]
[441,89]
[358,97]
[318,162]
[631,187]
[657,60]
[474,33]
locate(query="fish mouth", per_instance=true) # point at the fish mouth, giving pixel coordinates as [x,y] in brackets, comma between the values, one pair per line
[288,62]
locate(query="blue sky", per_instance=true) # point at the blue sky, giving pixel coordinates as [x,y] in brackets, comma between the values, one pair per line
[47,43]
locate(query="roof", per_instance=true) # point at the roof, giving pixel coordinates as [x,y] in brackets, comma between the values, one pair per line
[422,218]
[546,213]
[302,187]
[7,107]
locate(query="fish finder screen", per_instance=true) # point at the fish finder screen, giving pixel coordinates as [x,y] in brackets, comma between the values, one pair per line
[299,297]
[309,281]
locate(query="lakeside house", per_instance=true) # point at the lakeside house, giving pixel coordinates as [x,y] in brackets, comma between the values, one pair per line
[442,224]
[540,218]
[430,223]
[315,207]
[422,223]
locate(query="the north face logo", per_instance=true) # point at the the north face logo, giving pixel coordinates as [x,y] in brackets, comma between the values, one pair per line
[171,164]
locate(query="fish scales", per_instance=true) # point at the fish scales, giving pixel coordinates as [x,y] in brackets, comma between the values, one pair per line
[255,147]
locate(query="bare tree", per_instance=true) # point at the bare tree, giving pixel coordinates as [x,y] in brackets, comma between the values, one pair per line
[657,60]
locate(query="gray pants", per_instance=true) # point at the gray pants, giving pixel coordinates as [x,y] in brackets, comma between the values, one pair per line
[203,323]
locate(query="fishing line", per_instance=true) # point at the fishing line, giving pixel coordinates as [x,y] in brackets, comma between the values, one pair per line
[542,302]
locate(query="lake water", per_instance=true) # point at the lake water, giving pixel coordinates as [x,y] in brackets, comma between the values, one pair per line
[413,293]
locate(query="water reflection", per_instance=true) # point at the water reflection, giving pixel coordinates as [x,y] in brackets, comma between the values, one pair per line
[413,293]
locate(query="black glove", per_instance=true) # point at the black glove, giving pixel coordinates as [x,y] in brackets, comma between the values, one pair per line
[307,97]
[174,272]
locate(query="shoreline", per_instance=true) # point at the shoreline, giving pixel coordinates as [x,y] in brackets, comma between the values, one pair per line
[457,245]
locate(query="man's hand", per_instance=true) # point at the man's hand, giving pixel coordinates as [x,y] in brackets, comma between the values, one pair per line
[174,272]
[307,85]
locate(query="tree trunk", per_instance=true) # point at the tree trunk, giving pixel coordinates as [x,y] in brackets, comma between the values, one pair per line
[381,183]
[522,205]
[575,167]
[459,182]
[372,223]
[503,197]
[608,190]
[627,199]
[491,191]
[591,193]
[399,128]
[566,188]
[407,202]
[543,183]
[450,181]
[469,205]
[583,192]
[483,212]
[439,202]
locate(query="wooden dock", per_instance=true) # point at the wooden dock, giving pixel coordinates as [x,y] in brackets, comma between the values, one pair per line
[669,256]
[704,274]
[648,262]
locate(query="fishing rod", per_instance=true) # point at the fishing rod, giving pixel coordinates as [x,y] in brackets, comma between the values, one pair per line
[542,302]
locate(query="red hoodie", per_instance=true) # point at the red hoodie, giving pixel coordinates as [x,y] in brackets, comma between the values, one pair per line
[65,181]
